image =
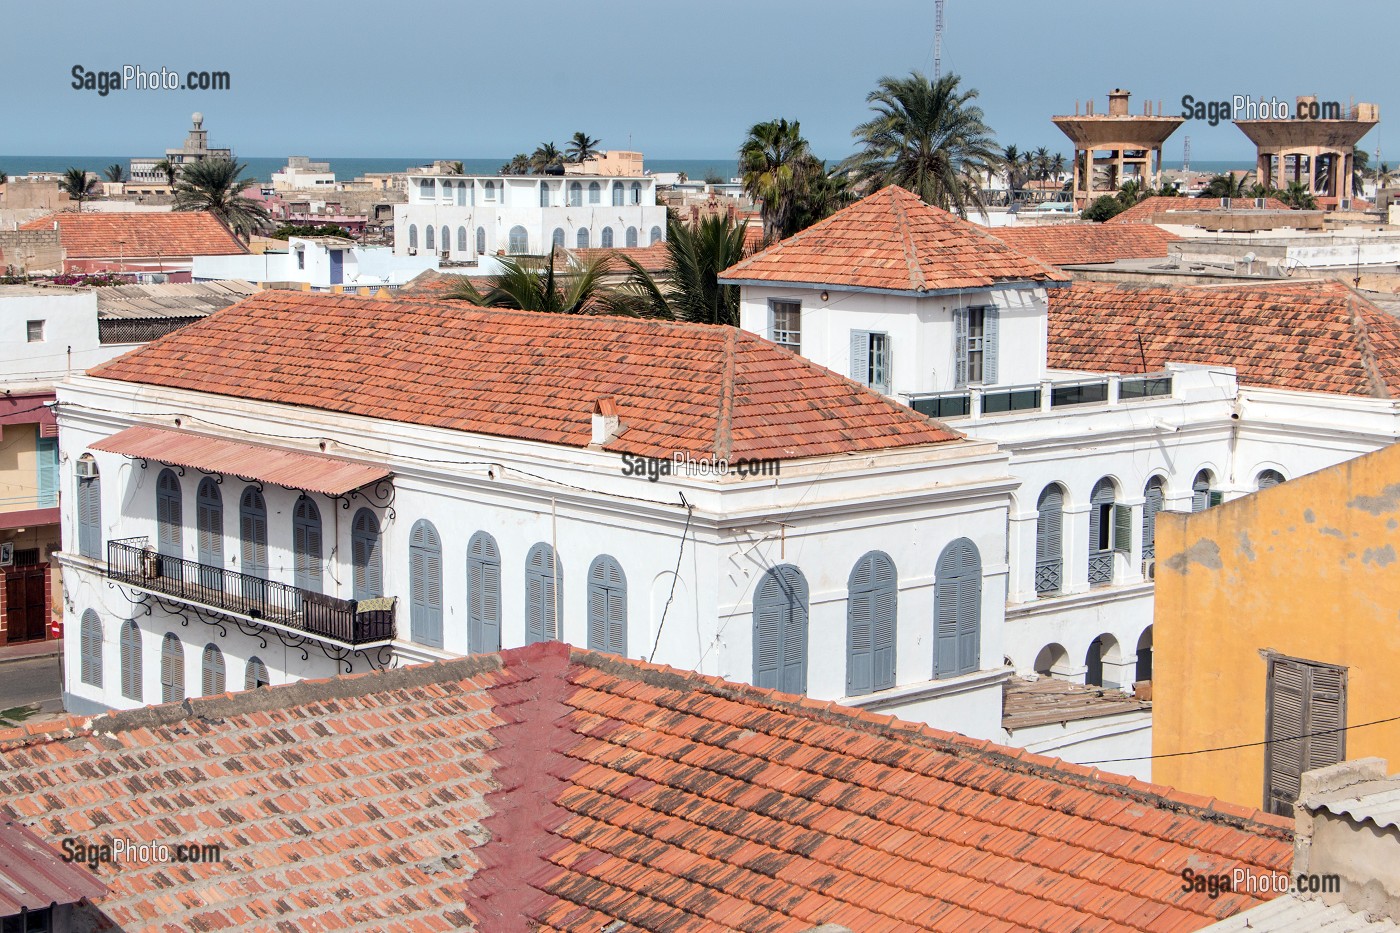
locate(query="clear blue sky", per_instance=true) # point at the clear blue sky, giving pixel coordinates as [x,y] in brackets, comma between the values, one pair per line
[447,79]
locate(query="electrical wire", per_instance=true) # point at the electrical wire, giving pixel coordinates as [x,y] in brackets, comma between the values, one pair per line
[675,577]
[1228,748]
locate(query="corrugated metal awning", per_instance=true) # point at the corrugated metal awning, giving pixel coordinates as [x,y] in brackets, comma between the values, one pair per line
[331,476]
[33,875]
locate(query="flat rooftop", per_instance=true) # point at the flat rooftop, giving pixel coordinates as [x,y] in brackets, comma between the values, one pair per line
[1043,702]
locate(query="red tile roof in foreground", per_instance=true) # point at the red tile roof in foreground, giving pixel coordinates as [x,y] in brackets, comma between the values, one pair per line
[1307,336]
[138,235]
[556,789]
[893,241]
[1072,244]
[1150,210]
[34,875]
[705,390]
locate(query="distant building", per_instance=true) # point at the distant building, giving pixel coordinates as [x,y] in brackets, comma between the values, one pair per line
[1316,151]
[614,162]
[160,244]
[1115,148]
[301,173]
[144,172]
[318,263]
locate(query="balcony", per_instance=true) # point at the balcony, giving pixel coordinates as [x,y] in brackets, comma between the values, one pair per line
[132,561]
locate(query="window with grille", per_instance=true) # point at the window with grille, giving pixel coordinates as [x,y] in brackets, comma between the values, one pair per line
[1049,541]
[786,324]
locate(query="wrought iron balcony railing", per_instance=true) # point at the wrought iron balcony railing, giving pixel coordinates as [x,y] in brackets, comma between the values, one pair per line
[133,562]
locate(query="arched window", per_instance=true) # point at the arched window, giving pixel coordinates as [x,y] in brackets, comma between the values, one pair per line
[462,199]
[607,238]
[131,660]
[490,187]
[89,509]
[544,194]
[446,240]
[1202,496]
[519,241]
[90,645]
[425,584]
[1101,649]
[1049,540]
[1154,496]
[430,240]
[607,606]
[483,594]
[212,682]
[412,236]
[366,556]
[780,630]
[306,545]
[252,540]
[170,514]
[172,669]
[957,610]
[575,194]
[617,194]
[636,192]
[558,238]
[655,236]
[871,604]
[1106,533]
[480,240]
[1268,479]
[581,240]
[462,240]
[595,193]
[255,674]
[543,594]
[209,525]
[1144,656]
[631,236]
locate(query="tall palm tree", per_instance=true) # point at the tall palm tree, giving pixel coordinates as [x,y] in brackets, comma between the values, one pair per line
[168,169]
[1011,159]
[1384,176]
[1360,170]
[1228,185]
[217,186]
[518,165]
[531,284]
[581,146]
[929,137]
[546,155]
[695,257]
[79,186]
[1298,196]
[1042,163]
[1057,165]
[825,193]
[115,172]
[1130,192]
[775,166]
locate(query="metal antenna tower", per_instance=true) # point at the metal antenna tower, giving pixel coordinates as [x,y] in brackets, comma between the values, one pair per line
[1186,156]
[937,38]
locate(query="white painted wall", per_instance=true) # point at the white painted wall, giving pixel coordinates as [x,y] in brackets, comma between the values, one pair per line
[70,343]
[1089,741]
[366,266]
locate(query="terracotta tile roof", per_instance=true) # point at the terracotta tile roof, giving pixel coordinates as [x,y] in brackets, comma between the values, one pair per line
[652,258]
[1309,336]
[556,789]
[1150,210]
[34,875]
[1071,244]
[892,240]
[707,390]
[171,235]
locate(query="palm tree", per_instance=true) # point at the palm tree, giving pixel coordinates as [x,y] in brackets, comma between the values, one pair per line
[456,168]
[546,155]
[581,147]
[216,186]
[1042,163]
[4,178]
[79,186]
[1360,169]
[775,165]
[1298,196]
[1057,165]
[531,284]
[1228,185]
[168,169]
[1130,192]
[826,193]
[928,137]
[695,257]
[1384,176]
[1011,159]
[519,165]
[115,172]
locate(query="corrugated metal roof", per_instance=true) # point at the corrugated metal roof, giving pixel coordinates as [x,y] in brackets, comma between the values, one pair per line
[1376,801]
[170,299]
[331,476]
[32,875]
[1292,914]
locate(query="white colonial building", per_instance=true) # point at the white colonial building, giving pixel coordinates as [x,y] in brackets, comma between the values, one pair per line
[320,263]
[460,217]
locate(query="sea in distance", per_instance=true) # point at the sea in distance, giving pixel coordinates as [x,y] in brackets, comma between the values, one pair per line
[350,168]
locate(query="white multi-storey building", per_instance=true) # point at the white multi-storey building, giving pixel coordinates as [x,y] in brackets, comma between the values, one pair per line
[460,217]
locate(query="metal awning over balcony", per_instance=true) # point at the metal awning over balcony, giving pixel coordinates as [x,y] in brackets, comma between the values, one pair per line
[331,476]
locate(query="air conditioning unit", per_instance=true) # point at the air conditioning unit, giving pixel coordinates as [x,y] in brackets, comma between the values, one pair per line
[413,251]
[1344,204]
[1149,569]
[86,468]
[444,254]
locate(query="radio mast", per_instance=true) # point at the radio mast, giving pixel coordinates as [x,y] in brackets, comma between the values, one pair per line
[937,38]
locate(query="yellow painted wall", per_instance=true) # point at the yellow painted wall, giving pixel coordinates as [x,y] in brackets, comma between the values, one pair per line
[1310,569]
[19,467]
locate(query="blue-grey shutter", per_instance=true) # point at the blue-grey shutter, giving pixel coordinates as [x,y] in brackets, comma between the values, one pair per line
[91,648]
[768,612]
[425,584]
[90,517]
[960,347]
[607,606]
[306,545]
[871,622]
[172,669]
[1268,479]
[957,610]
[483,594]
[1101,559]
[860,651]
[860,356]
[1284,750]
[366,554]
[255,675]
[480,240]
[209,525]
[1123,529]
[780,631]
[252,537]
[1200,492]
[462,240]
[991,338]
[47,455]
[1049,540]
[131,660]
[169,515]
[581,238]
[1152,500]
[541,594]
[212,679]
[607,239]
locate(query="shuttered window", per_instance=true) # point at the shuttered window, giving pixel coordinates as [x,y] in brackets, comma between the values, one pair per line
[169,514]
[172,669]
[976,336]
[211,681]
[1049,541]
[131,660]
[631,239]
[425,584]
[255,675]
[446,240]
[575,194]
[870,359]
[871,605]
[90,646]
[252,537]
[462,240]
[1101,527]
[90,513]
[581,238]
[1153,498]
[1268,479]
[518,241]
[656,236]
[617,194]
[483,594]
[595,193]
[991,345]
[209,527]
[480,240]
[957,601]
[607,606]
[780,631]
[366,555]
[607,238]
[557,239]
[1306,718]
[47,455]
[306,545]
[543,594]
[1202,497]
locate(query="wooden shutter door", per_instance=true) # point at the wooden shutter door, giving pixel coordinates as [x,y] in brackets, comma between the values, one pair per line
[597,617]
[860,649]
[534,599]
[476,582]
[991,340]
[945,613]
[1152,504]
[860,356]
[1326,720]
[1284,752]
[131,662]
[168,515]
[969,622]
[483,594]
[425,585]
[960,347]
[769,622]
[209,522]
[1049,538]
[90,517]
[884,605]
[91,645]
[491,606]
[794,632]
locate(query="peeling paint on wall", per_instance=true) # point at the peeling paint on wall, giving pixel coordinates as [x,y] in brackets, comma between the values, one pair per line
[1383,556]
[1387,501]
[1204,552]
[1308,516]
[1246,547]
[1334,532]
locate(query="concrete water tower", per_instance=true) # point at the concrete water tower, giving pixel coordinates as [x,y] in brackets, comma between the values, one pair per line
[1115,147]
[1313,145]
